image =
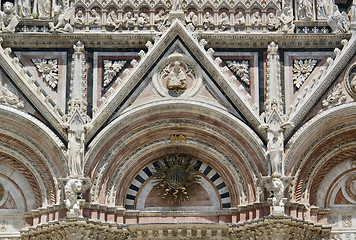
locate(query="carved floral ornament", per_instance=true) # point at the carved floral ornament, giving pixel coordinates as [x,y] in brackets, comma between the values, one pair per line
[48,70]
[241,69]
[176,76]
[111,69]
[301,71]
[350,80]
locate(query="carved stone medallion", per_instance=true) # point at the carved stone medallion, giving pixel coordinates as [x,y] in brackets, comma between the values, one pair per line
[350,187]
[176,76]
[177,178]
[2,192]
[350,80]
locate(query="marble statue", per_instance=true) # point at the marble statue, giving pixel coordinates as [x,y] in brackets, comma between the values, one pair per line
[177,79]
[79,18]
[42,8]
[72,189]
[286,19]
[160,20]
[275,153]
[224,21]
[256,20]
[112,20]
[240,19]
[143,20]
[75,153]
[321,9]
[208,21]
[94,18]
[339,22]
[278,192]
[177,5]
[8,18]
[24,8]
[191,21]
[61,20]
[272,21]
[305,9]
[129,20]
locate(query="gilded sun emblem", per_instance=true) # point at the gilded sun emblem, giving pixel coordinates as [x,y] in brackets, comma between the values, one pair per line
[177,177]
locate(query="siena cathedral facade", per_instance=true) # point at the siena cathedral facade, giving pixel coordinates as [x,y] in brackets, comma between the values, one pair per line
[178,119]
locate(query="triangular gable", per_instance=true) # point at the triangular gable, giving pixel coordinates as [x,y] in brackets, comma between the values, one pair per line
[320,84]
[49,69]
[31,89]
[198,85]
[211,66]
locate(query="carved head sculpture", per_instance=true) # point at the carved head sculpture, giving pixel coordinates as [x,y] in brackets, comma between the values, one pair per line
[80,13]
[161,13]
[8,7]
[93,12]
[57,10]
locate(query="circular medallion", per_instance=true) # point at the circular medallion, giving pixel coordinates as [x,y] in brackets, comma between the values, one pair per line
[350,80]
[2,192]
[176,177]
[178,75]
[350,187]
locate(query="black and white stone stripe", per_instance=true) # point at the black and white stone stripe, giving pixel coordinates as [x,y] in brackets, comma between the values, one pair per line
[205,169]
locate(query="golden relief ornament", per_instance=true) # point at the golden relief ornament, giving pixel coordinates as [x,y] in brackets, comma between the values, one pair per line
[177,177]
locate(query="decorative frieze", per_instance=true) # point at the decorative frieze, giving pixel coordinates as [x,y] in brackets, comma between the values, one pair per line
[84,229]
[278,228]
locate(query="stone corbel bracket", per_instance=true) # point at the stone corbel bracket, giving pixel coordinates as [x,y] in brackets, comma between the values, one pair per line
[27,85]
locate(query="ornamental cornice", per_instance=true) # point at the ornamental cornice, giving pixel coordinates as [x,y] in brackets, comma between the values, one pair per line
[139,38]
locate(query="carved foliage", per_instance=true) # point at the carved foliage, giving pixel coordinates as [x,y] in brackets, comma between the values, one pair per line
[9,97]
[111,69]
[48,69]
[335,97]
[241,69]
[301,71]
